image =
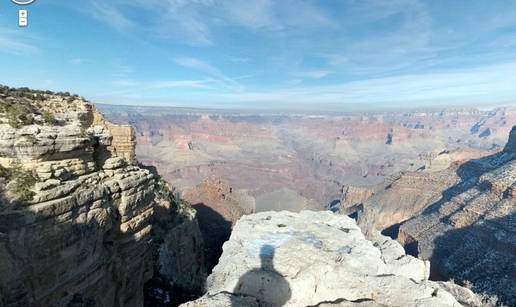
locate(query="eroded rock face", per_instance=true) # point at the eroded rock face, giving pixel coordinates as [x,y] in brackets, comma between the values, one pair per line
[317,258]
[469,234]
[92,228]
[462,219]
[404,198]
[353,195]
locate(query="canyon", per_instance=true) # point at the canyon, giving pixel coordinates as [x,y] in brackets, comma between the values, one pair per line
[223,209]
[295,161]
[403,173]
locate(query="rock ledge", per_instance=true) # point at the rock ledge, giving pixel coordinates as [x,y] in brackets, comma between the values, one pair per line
[317,259]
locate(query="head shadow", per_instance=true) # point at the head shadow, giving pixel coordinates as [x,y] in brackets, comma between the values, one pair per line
[264,283]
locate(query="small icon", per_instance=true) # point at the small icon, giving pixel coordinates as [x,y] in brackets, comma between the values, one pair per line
[23,2]
[23,18]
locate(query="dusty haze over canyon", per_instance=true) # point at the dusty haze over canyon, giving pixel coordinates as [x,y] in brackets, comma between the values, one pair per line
[305,161]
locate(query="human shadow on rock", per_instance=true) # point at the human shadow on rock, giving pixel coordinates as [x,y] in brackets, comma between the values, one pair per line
[264,283]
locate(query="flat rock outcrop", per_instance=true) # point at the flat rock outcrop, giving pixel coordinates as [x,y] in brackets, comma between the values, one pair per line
[317,259]
[80,223]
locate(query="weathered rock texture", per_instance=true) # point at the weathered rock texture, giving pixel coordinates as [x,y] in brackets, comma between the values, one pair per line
[89,228]
[317,259]
[462,219]
[353,196]
[470,233]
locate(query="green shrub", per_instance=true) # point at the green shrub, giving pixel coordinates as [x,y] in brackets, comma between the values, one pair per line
[18,114]
[20,182]
[83,133]
[49,118]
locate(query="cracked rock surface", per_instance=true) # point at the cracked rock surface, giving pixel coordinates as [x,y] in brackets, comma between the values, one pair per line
[317,259]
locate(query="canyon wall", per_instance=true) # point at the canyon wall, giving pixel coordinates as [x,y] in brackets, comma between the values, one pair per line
[80,223]
[469,234]
[461,219]
[301,161]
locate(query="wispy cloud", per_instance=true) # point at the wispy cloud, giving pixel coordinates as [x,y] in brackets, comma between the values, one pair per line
[210,70]
[131,87]
[199,22]
[107,13]
[10,42]
[312,74]
[474,85]
[192,84]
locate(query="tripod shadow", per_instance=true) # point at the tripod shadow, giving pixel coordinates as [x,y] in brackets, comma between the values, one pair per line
[264,283]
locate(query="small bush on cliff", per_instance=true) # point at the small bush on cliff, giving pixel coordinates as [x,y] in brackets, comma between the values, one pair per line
[49,118]
[83,133]
[169,201]
[18,114]
[19,182]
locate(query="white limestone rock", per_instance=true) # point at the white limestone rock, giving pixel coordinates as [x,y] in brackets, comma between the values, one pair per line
[223,300]
[311,258]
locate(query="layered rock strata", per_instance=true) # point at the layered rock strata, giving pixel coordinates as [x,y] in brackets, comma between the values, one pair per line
[80,224]
[318,259]
[469,234]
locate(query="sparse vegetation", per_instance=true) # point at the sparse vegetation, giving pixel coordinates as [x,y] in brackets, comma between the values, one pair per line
[17,182]
[17,114]
[49,118]
[30,93]
[22,106]
[83,133]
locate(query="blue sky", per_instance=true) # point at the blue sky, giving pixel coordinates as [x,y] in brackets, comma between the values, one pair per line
[326,54]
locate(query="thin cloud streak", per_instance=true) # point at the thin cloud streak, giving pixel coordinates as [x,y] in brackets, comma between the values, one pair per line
[474,85]
[109,14]
[11,43]
[212,71]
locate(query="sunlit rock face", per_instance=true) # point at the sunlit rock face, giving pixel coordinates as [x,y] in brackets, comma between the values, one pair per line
[469,233]
[317,258]
[80,223]
[461,218]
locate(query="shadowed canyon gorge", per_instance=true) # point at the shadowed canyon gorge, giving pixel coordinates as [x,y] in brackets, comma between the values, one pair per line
[143,206]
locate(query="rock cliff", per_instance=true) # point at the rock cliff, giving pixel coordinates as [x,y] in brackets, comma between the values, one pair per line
[469,233]
[320,259]
[80,223]
[462,219]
